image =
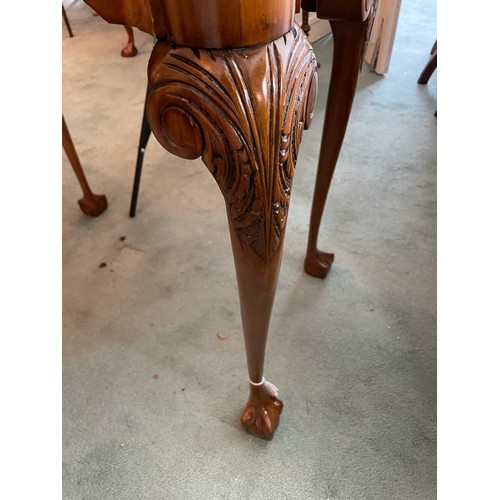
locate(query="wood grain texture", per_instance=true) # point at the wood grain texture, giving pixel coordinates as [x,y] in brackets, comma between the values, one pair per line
[135,13]
[221,23]
[243,111]
[350,42]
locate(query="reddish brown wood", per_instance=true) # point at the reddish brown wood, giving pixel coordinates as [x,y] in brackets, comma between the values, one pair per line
[221,23]
[350,39]
[243,111]
[130,50]
[261,414]
[135,13]
[343,10]
[199,23]
[430,67]
[305,22]
[234,83]
[91,204]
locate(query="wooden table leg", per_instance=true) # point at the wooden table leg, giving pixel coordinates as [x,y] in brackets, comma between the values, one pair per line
[430,67]
[234,83]
[350,39]
[306,28]
[243,111]
[129,50]
[90,204]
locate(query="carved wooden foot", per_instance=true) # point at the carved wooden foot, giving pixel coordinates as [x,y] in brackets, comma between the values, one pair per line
[130,50]
[91,204]
[234,83]
[350,39]
[318,263]
[243,111]
[261,415]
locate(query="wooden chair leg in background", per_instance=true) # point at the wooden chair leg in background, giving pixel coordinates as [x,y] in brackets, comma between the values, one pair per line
[130,50]
[306,28]
[243,112]
[90,204]
[430,67]
[305,22]
[350,39]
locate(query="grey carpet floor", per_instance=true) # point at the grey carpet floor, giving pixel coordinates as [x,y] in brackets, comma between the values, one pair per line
[151,394]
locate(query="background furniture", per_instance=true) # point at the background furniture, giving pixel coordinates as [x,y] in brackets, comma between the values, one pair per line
[351,24]
[91,204]
[379,50]
[430,67]
[129,50]
[240,97]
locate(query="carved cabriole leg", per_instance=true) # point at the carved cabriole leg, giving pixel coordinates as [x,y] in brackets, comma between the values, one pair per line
[350,39]
[243,111]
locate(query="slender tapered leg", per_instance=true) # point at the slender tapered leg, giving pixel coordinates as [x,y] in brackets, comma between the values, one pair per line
[350,38]
[243,111]
[430,67]
[90,204]
[130,50]
[306,28]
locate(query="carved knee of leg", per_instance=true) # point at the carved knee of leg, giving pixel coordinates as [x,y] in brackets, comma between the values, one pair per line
[243,111]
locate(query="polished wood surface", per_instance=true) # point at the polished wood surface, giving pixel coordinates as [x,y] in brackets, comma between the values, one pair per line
[430,67]
[341,10]
[243,112]
[91,204]
[235,83]
[221,24]
[135,13]
[351,32]
[129,50]
[202,23]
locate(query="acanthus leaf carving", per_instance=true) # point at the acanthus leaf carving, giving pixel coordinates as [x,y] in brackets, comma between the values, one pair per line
[247,109]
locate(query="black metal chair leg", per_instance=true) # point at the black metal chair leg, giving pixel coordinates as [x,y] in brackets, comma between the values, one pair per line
[143,141]
[65,17]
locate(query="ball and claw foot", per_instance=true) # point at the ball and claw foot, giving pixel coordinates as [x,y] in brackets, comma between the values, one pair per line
[130,50]
[261,415]
[318,263]
[94,205]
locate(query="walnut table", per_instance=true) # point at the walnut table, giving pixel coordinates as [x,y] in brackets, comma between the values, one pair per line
[235,82]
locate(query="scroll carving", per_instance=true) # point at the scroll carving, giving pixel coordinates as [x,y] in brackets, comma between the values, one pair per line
[243,111]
